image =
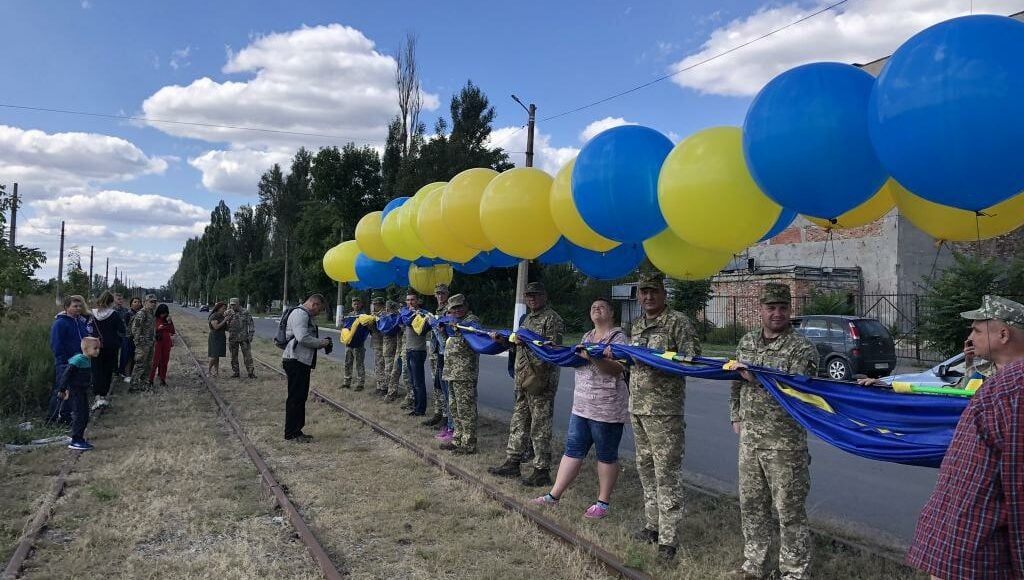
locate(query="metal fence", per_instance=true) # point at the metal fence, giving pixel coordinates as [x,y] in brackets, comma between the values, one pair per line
[726,318]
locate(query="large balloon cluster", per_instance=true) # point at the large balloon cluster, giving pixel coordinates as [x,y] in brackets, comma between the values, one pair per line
[935,134]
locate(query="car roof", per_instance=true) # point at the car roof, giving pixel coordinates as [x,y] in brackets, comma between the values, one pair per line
[832,317]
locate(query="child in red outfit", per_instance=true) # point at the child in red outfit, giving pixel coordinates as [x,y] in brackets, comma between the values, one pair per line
[162,348]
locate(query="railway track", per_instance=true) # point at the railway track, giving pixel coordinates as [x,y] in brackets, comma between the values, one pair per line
[604,557]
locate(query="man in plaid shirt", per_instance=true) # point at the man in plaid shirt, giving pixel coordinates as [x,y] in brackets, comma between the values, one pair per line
[973,525]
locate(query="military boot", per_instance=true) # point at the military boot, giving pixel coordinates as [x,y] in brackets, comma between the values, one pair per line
[741,574]
[537,478]
[434,421]
[666,553]
[645,535]
[508,469]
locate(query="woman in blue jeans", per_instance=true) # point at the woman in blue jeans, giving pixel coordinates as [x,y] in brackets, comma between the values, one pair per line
[599,413]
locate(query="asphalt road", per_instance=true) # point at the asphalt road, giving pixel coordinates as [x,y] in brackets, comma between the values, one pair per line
[873,497]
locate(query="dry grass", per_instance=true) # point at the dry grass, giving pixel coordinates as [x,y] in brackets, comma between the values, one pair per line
[712,543]
[166,494]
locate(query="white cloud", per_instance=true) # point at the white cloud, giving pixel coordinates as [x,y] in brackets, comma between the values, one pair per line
[121,208]
[237,171]
[596,127]
[545,155]
[180,57]
[857,32]
[324,80]
[51,163]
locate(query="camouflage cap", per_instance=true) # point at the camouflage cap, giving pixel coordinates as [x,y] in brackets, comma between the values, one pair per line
[998,308]
[775,293]
[532,288]
[377,299]
[352,297]
[457,300]
[441,288]
[651,280]
[233,302]
[391,305]
[150,297]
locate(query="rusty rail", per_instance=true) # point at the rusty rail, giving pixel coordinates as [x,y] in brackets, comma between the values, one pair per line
[606,558]
[316,550]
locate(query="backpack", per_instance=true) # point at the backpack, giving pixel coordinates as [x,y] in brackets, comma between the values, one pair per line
[281,339]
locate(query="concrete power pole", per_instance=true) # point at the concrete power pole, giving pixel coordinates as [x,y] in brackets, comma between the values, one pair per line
[60,268]
[284,299]
[9,298]
[106,276]
[92,249]
[523,271]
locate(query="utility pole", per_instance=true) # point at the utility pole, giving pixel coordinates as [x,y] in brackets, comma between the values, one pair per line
[91,250]
[284,300]
[60,268]
[9,298]
[106,276]
[523,271]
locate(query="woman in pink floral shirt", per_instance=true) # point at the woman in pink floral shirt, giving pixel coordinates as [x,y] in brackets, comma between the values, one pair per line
[599,413]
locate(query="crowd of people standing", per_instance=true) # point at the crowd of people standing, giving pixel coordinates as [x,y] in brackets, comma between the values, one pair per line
[94,347]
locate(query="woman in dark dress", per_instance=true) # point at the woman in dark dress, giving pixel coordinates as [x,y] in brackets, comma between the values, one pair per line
[217,344]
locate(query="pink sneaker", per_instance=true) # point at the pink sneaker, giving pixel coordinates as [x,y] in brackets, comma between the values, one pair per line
[545,500]
[448,436]
[441,434]
[595,512]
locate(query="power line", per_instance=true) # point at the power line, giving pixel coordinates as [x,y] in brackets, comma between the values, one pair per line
[190,123]
[694,65]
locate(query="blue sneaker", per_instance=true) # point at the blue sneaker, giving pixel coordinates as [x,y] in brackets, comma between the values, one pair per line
[81,445]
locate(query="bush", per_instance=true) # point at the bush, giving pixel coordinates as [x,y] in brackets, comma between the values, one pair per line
[26,363]
[728,334]
[960,288]
[838,303]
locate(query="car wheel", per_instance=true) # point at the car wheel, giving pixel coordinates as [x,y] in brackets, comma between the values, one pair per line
[838,369]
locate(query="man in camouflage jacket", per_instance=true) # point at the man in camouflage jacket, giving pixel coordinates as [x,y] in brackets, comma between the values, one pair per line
[241,329]
[435,354]
[143,333]
[656,403]
[461,370]
[355,356]
[377,344]
[532,411]
[773,457]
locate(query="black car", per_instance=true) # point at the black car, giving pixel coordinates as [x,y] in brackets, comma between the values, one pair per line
[849,345]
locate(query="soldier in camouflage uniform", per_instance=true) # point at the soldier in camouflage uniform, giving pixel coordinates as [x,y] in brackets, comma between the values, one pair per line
[377,343]
[656,403]
[773,456]
[355,356]
[391,348]
[143,333]
[436,355]
[533,408]
[461,370]
[241,329]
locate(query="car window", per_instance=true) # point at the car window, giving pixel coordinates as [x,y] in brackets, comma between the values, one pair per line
[814,328]
[837,330]
[871,328]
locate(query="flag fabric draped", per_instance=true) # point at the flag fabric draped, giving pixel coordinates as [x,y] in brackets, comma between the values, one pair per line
[875,423]
[355,329]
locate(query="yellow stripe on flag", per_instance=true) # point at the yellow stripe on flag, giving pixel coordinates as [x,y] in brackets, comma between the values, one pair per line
[809,399]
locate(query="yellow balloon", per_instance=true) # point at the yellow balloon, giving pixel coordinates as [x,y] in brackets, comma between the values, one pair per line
[567,217]
[424,279]
[708,196]
[435,235]
[516,215]
[368,237]
[340,262]
[682,260]
[391,235]
[950,224]
[875,207]
[460,206]
[408,217]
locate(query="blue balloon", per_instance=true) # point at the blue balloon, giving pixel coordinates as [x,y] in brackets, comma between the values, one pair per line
[806,142]
[374,274]
[393,204]
[477,265]
[786,218]
[359,285]
[611,265]
[946,117]
[499,259]
[423,262]
[558,254]
[615,182]
[400,269]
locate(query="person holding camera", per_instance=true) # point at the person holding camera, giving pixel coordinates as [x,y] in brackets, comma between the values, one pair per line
[298,360]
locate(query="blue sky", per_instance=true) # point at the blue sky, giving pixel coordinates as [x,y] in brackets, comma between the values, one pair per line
[137,190]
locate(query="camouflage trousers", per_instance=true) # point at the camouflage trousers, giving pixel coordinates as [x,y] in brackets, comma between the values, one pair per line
[246,347]
[399,375]
[660,440]
[143,360]
[379,375]
[775,480]
[437,369]
[531,419]
[354,357]
[462,400]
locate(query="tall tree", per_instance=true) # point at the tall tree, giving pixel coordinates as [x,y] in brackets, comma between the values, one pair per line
[17,263]
[391,163]
[410,98]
